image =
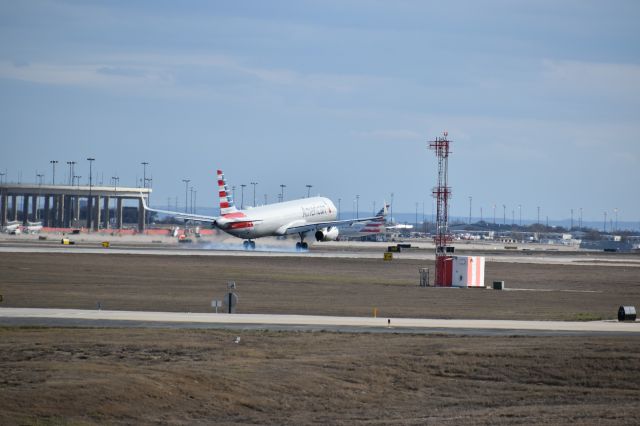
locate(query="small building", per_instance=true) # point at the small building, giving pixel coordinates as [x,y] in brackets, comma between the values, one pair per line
[468,271]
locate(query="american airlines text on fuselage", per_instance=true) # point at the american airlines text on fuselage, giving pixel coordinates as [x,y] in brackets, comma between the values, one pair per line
[316,210]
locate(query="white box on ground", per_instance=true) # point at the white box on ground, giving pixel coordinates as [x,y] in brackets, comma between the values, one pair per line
[468,271]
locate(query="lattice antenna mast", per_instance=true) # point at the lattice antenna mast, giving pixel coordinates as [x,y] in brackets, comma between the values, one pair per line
[442,193]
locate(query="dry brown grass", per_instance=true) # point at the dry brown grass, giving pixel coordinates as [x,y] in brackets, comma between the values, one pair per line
[202,376]
[304,285]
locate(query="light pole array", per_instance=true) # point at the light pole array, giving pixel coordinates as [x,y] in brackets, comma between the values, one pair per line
[282,187]
[309,190]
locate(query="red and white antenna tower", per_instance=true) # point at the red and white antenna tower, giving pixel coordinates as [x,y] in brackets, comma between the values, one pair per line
[442,193]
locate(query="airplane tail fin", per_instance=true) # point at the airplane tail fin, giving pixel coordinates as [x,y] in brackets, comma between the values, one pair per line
[226,199]
[383,211]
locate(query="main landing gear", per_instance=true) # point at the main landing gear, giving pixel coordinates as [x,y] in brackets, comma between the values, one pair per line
[302,246]
[249,245]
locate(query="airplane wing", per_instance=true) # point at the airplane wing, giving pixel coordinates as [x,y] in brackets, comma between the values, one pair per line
[180,215]
[296,229]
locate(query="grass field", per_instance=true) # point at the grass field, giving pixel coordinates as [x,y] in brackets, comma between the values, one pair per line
[75,376]
[124,376]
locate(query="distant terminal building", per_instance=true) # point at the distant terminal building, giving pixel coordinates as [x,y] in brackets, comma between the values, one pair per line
[59,206]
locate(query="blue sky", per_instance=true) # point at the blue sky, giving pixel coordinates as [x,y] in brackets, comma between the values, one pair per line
[541,99]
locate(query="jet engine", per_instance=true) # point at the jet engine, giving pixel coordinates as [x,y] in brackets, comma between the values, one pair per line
[327,234]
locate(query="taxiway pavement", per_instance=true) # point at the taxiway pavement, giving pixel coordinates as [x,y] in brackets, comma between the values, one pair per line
[347,252]
[104,318]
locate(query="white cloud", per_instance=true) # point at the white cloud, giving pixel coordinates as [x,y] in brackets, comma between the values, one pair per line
[621,81]
[391,135]
[141,72]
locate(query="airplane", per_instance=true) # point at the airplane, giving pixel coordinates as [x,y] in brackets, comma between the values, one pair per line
[12,227]
[33,227]
[307,216]
[371,227]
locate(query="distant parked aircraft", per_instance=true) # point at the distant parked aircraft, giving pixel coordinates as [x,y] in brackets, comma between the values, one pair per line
[370,227]
[314,216]
[11,227]
[33,227]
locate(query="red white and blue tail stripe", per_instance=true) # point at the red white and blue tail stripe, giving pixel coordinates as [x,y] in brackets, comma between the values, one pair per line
[376,225]
[226,199]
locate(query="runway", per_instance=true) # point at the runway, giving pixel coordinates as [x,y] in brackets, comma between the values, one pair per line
[333,252]
[103,318]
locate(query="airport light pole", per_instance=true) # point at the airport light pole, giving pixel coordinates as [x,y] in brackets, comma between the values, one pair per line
[520,213]
[191,199]
[78,178]
[309,190]
[242,195]
[144,185]
[424,219]
[90,200]
[53,175]
[580,218]
[144,173]
[416,216]
[391,207]
[195,201]
[72,172]
[115,182]
[148,181]
[470,200]
[254,193]
[39,176]
[2,177]
[282,187]
[494,214]
[616,222]
[604,227]
[571,220]
[357,206]
[186,191]
[504,214]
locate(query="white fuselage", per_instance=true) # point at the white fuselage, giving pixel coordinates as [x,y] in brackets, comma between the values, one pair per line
[275,219]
